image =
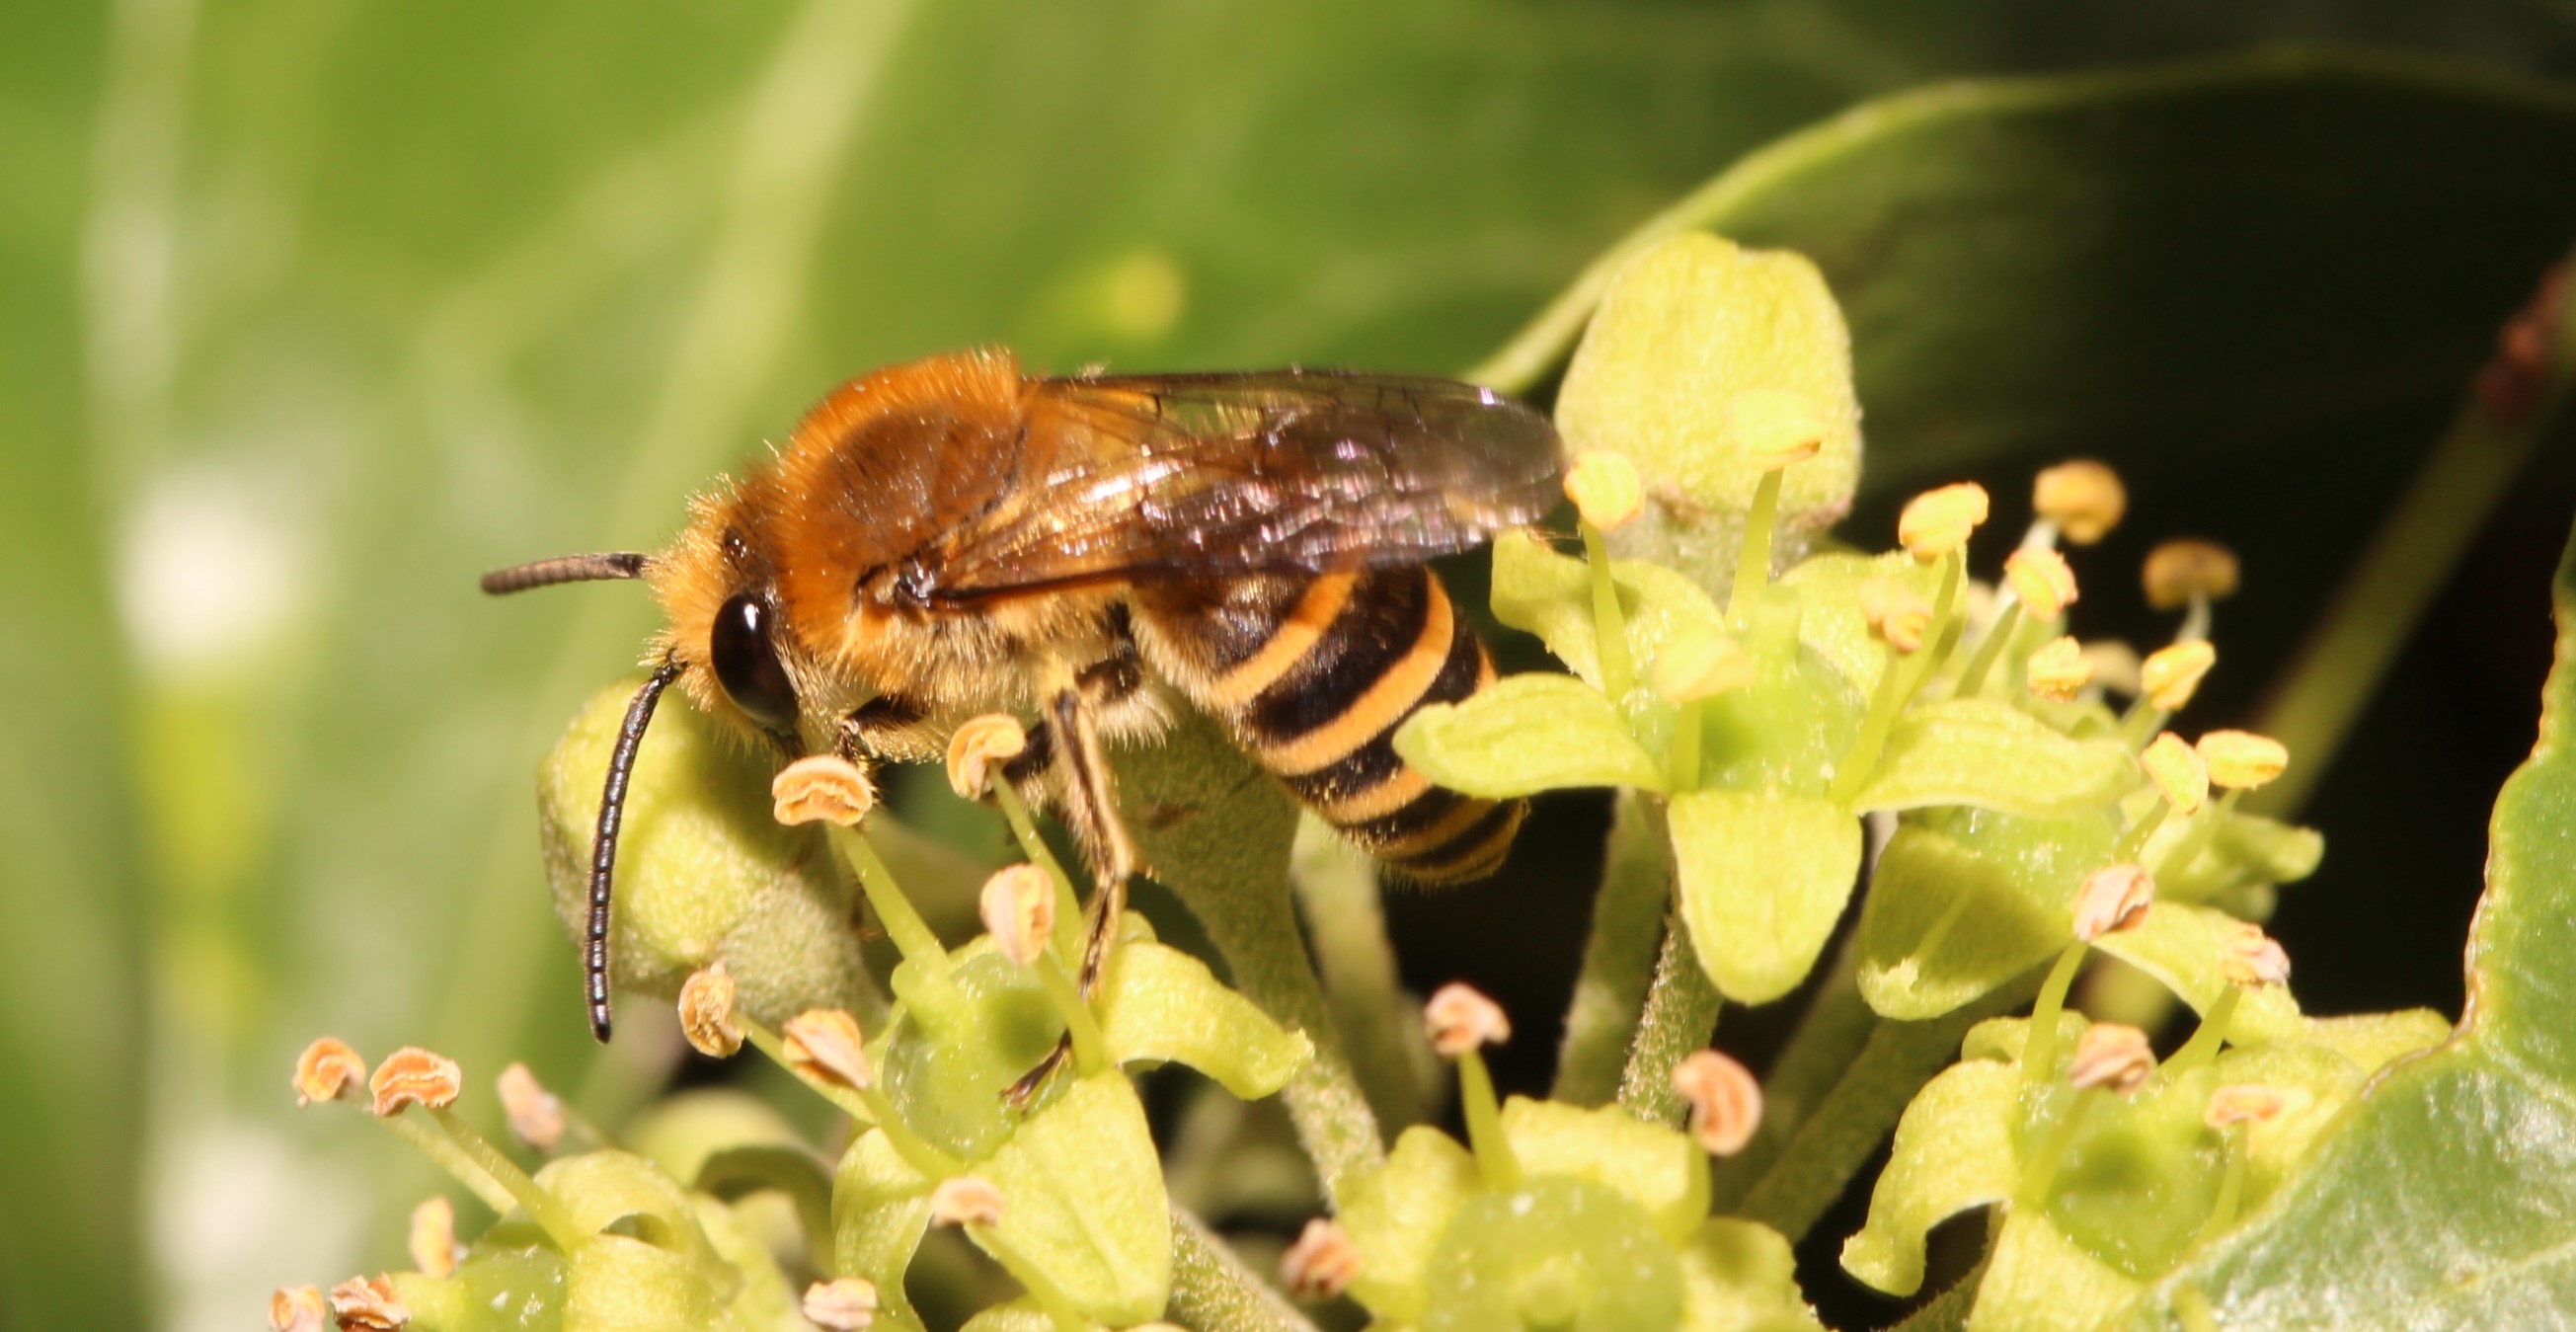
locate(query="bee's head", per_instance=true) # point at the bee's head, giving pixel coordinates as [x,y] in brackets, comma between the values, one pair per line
[719,592]
[725,644]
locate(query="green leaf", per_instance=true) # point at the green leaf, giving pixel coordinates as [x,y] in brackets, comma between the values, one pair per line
[1966,902]
[1762,878]
[1549,594]
[2185,947]
[1527,734]
[1083,1200]
[1828,587]
[1556,1253]
[880,1208]
[1161,1004]
[2443,1197]
[1974,751]
[1954,1150]
[1741,1277]
[1396,1213]
[1685,325]
[1657,1168]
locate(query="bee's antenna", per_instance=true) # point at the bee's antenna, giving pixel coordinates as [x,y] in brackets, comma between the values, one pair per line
[566,569]
[603,843]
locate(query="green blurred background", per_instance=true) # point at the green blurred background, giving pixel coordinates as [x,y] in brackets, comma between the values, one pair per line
[315,309]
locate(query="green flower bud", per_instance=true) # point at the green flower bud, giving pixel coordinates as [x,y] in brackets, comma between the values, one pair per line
[1686,328]
[705,873]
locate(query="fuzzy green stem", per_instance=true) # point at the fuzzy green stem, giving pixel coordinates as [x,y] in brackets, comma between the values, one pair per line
[2039,1174]
[1609,620]
[1853,1121]
[1346,925]
[1753,565]
[1068,905]
[2231,1189]
[1972,677]
[2133,842]
[542,1207]
[1212,1289]
[2211,1034]
[1829,1037]
[1090,1048]
[1256,931]
[1681,1012]
[2039,1047]
[1852,771]
[1494,1159]
[1619,957]
[911,934]
[2193,1308]
[444,1153]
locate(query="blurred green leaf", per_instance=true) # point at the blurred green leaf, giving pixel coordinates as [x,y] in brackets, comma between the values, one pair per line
[2444,1198]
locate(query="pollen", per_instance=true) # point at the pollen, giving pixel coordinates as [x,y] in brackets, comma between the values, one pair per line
[1698,662]
[1939,521]
[2253,957]
[2178,571]
[328,1070]
[2113,898]
[2244,1103]
[2242,760]
[2111,1055]
[708,1014]
[1460,1018]
[2059,670]
[369,1303]
[2083,497]
[1605,488]
[1897,615]
[1321,1264]
[297,1309]
[413,1076]
[2177,771]
[977,745]
[536,1115]
[1018,906]
[1725,1101]
[1775,427]
[848,1304]
[822,788]
[2171,675]
[2042,579]
[825,1044]
[433,1237]
[966,1200]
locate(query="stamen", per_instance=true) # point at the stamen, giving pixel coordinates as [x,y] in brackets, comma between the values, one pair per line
[1725,1101]
[1321,1264]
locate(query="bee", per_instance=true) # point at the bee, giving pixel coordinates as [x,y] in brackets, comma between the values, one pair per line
[953,537]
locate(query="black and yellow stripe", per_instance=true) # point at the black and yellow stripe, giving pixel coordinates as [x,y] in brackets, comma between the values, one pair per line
[1315,675]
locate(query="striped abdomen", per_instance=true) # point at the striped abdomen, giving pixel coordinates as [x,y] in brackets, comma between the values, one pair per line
[1314,675]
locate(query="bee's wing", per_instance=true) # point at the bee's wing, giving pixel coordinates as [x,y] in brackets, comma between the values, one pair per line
[1150,479]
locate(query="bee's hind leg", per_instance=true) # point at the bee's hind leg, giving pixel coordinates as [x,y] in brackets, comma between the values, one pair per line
[1092,807]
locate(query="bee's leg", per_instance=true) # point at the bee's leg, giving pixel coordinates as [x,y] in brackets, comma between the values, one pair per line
[1093,809]
[874,728]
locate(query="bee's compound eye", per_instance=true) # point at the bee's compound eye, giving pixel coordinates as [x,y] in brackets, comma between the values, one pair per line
[748,666]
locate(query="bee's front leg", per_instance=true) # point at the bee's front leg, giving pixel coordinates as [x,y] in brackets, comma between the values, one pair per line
[886,726]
